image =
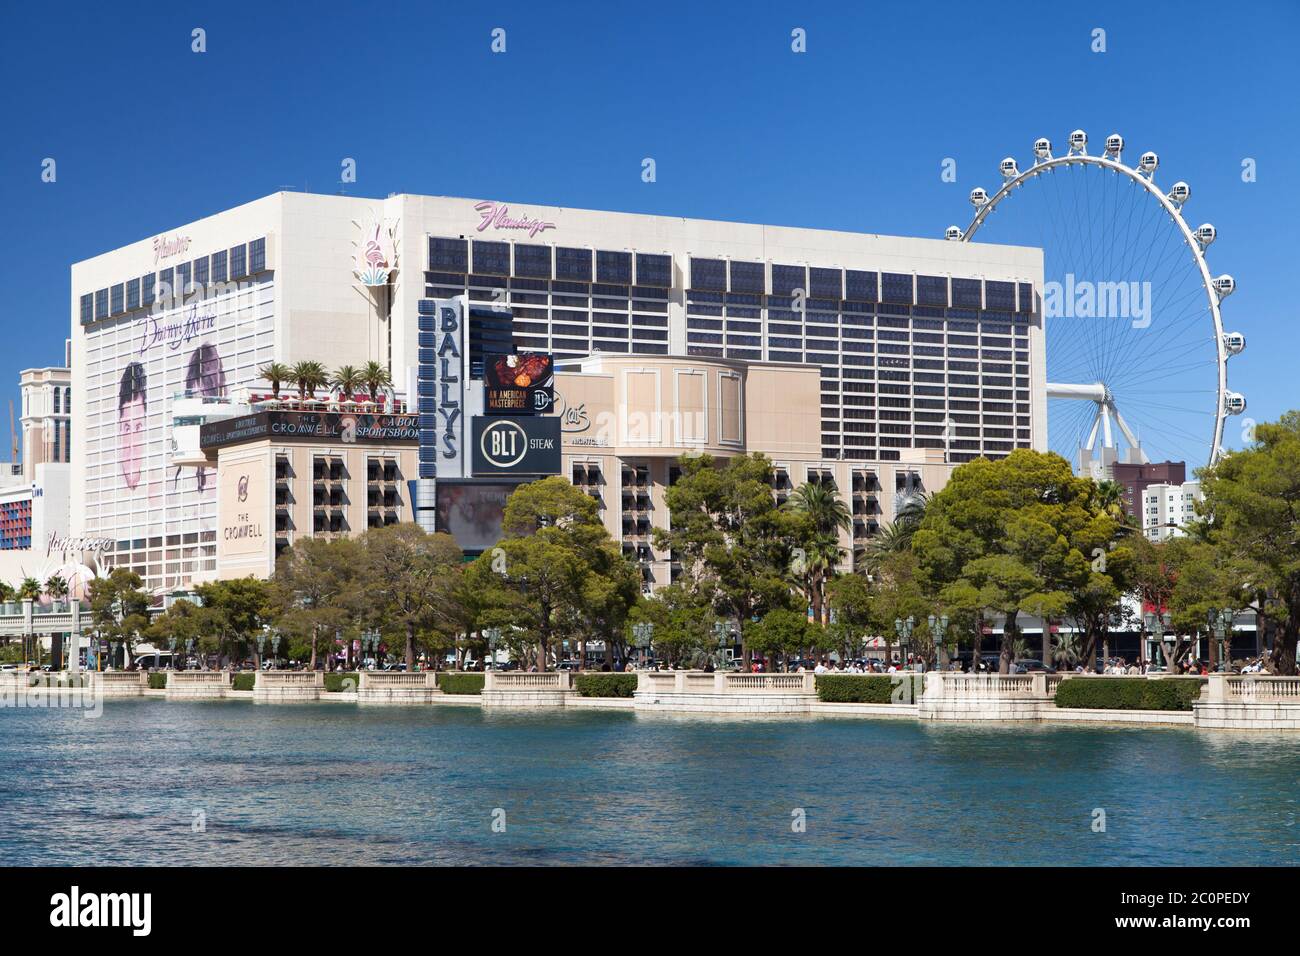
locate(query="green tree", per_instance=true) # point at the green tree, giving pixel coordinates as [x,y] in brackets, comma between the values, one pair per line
[234,612]
[683,625]
[346,379]
[1252,499]
[556,574]
[180,623]
[782,632]
[276,373]
[119,607]
[410,582]
[309,376]
[56,586]
[375,376]
[1009,534]
[735,544]
[317,589]
[828,516]
[29,590]
[851,603]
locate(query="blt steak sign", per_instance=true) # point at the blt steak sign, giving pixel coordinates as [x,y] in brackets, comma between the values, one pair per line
[342,427]
[516,446]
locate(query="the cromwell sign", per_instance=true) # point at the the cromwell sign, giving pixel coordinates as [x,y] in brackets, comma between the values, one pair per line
[311,426]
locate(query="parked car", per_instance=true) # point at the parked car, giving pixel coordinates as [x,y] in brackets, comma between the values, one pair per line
[1029,665]
[8,668]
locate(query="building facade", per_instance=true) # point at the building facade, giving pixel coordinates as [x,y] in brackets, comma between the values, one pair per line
[1136,478]
[1167,508]
[920,348]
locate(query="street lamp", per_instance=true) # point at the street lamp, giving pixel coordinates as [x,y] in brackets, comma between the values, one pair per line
[904,630]
[938,630]
[1157,624]
[261,644]
[1221,627]
[493,635]
[644,634]
[275,648]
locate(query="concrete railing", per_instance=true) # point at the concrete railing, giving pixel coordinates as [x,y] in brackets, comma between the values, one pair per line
[198,683]
[120,683]
[721,682]
[392,679]
[526,681]
[286,686]
[1252,687]
[986,685]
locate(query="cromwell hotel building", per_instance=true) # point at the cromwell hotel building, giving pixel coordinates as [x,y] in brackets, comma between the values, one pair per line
[875,363]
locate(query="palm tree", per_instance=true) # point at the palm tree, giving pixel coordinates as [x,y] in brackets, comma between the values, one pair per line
[896,537]
[56,587]
[276,373]
[29,590]
[347,379]
[1066,652]
[374,376]
[1110,498]
[310,376]
[828,515]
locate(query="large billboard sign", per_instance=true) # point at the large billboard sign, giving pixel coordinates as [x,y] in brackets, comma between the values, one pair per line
[523,446]
[441,385]
[344,427]
[518,384]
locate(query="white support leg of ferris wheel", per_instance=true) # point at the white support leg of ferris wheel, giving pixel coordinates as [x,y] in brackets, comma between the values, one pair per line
[1106,407]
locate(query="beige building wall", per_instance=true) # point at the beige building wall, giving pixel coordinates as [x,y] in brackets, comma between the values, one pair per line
[272,494]
[627,420]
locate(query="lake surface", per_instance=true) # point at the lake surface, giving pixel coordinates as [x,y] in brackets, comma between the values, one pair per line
[339,784]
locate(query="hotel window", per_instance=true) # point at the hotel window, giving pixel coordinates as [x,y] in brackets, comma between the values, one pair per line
[786,279]
[183,278]
[257,256]
[239,262]
[860,286]
[615,267]
[491,258]
[165,280]
[932,290]
[87,308]
[748,277]
[709,274]
[101,304]
[532,260]
[200,267]
[966,294]
[146,289]
[118,299]
[654,270]
[825,284]
[573,264]
[219,266]
[896,288]
[448,255]
[132,294]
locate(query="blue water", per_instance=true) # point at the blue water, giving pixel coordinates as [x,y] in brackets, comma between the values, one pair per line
[336,784]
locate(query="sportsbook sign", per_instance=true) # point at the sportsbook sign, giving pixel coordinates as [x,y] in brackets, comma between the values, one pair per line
[515,446]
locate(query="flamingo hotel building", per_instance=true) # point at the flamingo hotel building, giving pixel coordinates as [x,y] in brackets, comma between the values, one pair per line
[875,363]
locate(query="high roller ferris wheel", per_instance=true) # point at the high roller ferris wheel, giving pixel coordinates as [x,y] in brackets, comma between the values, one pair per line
[1156,372]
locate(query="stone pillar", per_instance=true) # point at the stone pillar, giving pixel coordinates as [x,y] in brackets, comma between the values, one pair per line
[1217,689]
[74,639]
[1038,683]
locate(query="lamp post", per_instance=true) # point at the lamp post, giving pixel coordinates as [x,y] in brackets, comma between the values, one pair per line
[938,630]
[1221,627]
[644,634]
[904,631]
[1158,624]
[189,649]
[275,648]
[171,645]
[493,635]
[261,645]
[720,635]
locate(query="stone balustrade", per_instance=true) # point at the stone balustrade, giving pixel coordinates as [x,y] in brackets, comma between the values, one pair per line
[397,687]
[197,685]
[724,682]
[1249,702]
[955,696]
[119,683]
[281,687]
[526,689]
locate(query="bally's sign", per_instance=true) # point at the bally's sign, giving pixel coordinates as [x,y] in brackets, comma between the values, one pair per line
[516,446]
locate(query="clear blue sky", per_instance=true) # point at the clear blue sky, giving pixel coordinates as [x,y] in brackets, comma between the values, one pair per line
[850,135]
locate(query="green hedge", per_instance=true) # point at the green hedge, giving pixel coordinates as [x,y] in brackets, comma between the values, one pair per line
[157,680]
[1129,693]
[603,684]
[869,688]
[456,683]
[243,681]
[341,681]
